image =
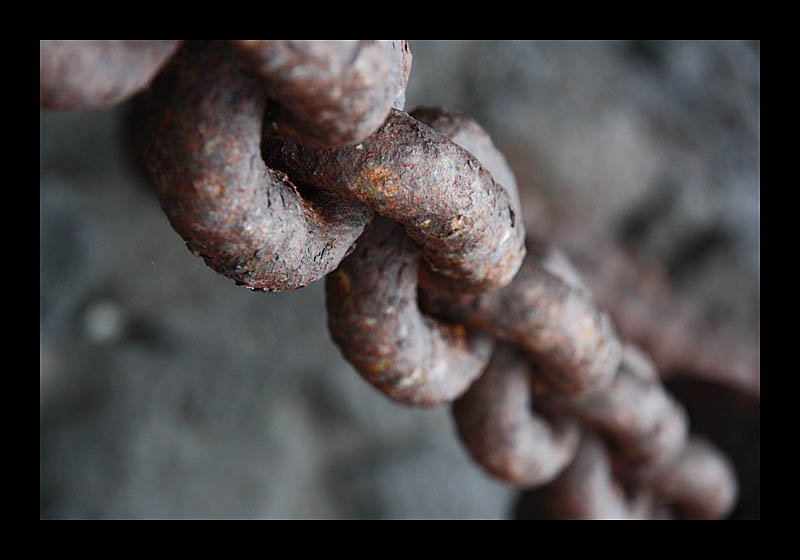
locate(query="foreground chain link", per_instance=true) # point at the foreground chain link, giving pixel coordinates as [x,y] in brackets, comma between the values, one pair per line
[201,144]
[283,162]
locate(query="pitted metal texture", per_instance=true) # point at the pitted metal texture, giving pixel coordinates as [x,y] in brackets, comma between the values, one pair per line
[284,162]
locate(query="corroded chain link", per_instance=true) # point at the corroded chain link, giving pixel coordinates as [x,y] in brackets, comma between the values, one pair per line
[283,162]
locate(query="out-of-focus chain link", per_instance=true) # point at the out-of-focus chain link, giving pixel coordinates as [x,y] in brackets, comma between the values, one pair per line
[283,162]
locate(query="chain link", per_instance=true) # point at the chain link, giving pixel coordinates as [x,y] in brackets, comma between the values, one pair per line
[284,162]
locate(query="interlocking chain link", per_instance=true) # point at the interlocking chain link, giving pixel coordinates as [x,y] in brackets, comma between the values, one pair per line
[283,162]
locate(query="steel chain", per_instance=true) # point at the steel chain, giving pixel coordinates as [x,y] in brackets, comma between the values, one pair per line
[283,162]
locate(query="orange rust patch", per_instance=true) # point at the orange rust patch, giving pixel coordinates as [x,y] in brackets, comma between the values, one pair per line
[383,179]
[458,223]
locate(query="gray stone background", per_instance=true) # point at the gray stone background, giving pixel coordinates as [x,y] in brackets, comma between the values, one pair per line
[168,392]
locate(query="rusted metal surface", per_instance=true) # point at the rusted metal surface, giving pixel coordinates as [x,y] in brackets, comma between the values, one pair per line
[467,133]
[269,159]
[247,221]
[444,197]
[374,318]
[636,460]
[330,93]
[497,422]
[646,429]
[96,74]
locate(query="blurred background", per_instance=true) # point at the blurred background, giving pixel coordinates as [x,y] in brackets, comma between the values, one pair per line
[168,392]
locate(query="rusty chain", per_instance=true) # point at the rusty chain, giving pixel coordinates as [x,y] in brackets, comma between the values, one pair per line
[284,162]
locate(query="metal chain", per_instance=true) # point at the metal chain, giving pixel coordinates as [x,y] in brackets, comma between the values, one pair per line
[283,162]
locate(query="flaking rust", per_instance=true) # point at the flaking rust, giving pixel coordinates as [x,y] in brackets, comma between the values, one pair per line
[269,158]
[248,222]
[467,133]
[329,93]
[383,334]
[374,319]
[447,201]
